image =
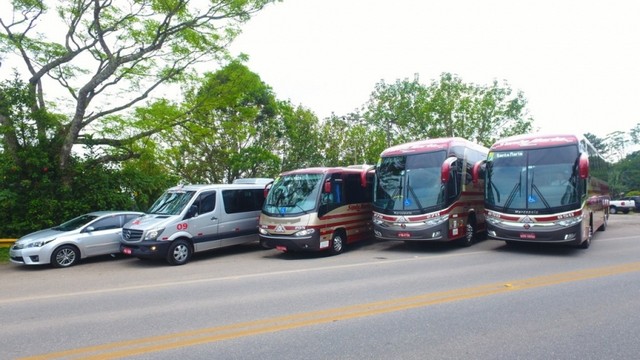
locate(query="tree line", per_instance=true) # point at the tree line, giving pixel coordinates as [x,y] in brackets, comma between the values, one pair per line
[83,130]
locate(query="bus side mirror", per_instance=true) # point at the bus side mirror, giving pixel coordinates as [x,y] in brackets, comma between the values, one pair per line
[327,187]
[445,171]
[478,171]
[363,175]
[583,167]
[267,188]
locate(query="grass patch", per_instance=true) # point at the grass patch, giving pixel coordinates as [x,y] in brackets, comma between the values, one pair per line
[4,254]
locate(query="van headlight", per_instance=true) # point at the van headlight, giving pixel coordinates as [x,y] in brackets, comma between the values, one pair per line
[305,232]
[153,234]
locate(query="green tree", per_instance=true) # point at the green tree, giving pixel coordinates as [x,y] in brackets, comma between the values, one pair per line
[31,197]
[112,56]
[409,111]
[350,140]
[230,131]
[299,142]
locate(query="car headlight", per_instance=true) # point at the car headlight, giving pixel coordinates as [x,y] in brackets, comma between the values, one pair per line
[39,243]
[153,234]
[305,232]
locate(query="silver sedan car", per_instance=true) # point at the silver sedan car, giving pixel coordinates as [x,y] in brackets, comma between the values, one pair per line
[92,234]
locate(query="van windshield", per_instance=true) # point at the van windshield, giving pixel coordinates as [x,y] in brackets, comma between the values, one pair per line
[171,202]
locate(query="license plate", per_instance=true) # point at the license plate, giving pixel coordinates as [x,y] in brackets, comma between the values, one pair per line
[126,251]
[404,235]
[527,236]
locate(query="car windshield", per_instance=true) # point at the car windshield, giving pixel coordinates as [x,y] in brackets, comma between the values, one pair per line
[293,194]
[76,223]
[171,202]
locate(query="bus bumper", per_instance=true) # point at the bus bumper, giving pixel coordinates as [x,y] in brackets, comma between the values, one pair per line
[294,243]
[415,233]
[554,234]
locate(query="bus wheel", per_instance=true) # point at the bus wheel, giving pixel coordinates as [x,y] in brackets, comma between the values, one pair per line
[603,227]
[587,242]
[179,252]
[470,236]
[337,243]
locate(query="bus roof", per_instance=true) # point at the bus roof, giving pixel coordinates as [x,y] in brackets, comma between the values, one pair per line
[529,141]
[429,145]
[327,170]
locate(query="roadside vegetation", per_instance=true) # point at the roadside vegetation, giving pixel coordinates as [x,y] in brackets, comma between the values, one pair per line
[76,143]
[4,254]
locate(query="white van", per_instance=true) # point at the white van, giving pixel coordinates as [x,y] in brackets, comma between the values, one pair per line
[193,218]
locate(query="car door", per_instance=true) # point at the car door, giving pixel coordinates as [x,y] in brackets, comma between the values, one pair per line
[203,227]
[101,237]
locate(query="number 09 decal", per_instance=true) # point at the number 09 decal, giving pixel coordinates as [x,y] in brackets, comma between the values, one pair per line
[182,226]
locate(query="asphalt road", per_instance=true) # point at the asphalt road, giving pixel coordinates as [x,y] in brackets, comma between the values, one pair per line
[379,300]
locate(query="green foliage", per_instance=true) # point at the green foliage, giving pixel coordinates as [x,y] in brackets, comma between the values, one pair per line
[408,111]
[4,254]
[233,121]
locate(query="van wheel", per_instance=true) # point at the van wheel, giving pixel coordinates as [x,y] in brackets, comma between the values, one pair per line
[337,243]
[65,256]
[613,210]
[179,252]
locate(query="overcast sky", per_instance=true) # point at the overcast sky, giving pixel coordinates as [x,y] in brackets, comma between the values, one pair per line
[577,62]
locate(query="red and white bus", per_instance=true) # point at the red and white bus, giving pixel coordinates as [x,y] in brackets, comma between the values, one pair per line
[318,209]
[424,192]
[545,188]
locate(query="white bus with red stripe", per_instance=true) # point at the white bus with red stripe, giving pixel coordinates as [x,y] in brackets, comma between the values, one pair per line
[424,192]
[545,188]
[317,209]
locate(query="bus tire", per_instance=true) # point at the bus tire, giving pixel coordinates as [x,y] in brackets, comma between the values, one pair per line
[587,242]
[603,227]
[470,233]
[338,242]
[179,252]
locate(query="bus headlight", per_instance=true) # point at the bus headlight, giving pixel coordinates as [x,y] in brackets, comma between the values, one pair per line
[437,220]
[305,232]
[569,221]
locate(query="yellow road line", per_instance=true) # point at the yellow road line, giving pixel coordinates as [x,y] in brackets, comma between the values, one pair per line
[209,335]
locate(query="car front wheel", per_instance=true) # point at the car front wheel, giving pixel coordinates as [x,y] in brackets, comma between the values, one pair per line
[65,256]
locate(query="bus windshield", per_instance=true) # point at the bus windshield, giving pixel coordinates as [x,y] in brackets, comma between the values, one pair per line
[533,180]
[410,183]
[293,194]
[171,203]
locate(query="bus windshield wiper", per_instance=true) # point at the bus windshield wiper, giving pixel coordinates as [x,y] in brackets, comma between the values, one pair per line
[410,188]
[513,192]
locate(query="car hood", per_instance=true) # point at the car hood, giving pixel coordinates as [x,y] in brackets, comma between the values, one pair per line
[41,235]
